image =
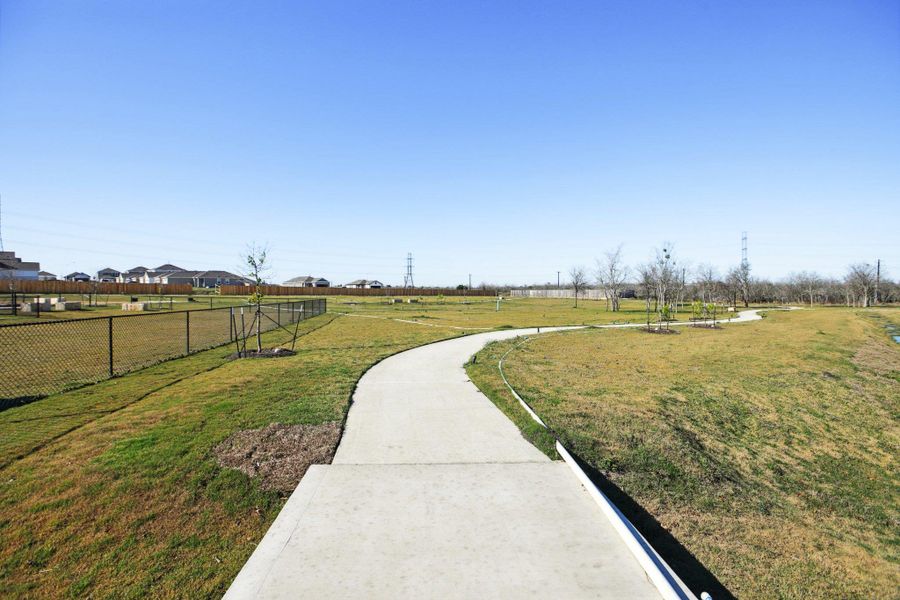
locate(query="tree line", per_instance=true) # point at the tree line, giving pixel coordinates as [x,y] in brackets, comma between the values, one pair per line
[667,282]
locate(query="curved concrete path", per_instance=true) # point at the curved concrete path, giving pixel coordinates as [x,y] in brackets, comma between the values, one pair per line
[434,493]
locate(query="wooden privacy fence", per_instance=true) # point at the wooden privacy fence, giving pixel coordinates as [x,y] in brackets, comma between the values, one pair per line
[95,287]
[280,290]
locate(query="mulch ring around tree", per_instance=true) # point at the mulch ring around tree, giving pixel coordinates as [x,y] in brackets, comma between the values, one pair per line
[659,330]
[279,455]
[264,353]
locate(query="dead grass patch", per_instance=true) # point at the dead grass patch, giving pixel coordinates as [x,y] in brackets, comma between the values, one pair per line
[878,357]
[279,455]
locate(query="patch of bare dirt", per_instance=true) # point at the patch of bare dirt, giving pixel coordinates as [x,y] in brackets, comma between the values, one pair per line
[279,455]
[264,353]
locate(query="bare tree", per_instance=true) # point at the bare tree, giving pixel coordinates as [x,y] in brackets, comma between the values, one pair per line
[256,268]
[645,281]
[578,275]
[860,282]
[733,285]
[743,280]
[708,282]
[666,278]
[611,274]
[808,285]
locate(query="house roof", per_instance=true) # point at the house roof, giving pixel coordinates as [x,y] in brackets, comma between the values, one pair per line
[219,274]
[136,270]
[78,274]
[168,267]
[108,270]
[178,274]
[301,279]
[46,273]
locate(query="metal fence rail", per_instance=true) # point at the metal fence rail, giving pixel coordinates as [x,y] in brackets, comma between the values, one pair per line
[42,358]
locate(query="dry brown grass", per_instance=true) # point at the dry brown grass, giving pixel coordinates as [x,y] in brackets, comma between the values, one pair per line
[770,450]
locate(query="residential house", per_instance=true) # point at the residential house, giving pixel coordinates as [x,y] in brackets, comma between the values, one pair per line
[211,279]
[373,284]
[12,267]
[77,276]
[46,276]
[108,275]
[159,273]
[307,281]
[203,279]
[134,275]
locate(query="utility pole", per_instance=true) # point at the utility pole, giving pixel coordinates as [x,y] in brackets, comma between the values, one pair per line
[557,279]
[470,281]
[877,277]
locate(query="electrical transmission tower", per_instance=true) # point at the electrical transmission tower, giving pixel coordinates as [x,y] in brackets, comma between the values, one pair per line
[743,248]
[408,278]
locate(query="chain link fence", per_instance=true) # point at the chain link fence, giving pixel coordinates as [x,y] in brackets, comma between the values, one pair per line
[38,359]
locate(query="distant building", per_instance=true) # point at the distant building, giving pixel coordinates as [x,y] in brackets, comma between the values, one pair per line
[77,276]
[108,275]
[12,267]
[372,284]
[45,276]
[307,281]
[133,275]
[203,279]
[159,273]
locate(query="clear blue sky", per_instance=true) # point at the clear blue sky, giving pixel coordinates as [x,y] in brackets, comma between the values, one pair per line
[504,139]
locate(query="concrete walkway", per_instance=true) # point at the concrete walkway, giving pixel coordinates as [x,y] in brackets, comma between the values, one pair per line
[434,493]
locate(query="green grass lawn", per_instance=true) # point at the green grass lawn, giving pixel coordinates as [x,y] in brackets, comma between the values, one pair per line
[112,489]
[768,449]
[481,313]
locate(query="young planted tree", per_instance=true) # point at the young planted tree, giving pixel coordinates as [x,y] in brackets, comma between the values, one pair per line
[256,265]
[666,280]
[611,274]
[645,281]
[579,279]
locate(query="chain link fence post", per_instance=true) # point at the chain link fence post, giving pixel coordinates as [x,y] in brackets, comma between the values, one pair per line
[110,340]
[187,332]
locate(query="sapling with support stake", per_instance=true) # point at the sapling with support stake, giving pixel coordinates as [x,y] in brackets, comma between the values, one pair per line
[257,266]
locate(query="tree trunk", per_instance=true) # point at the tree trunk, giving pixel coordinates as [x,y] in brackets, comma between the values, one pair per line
[258,331]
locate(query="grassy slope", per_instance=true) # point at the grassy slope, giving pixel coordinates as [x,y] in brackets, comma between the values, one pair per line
[768,449]
[130,502]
